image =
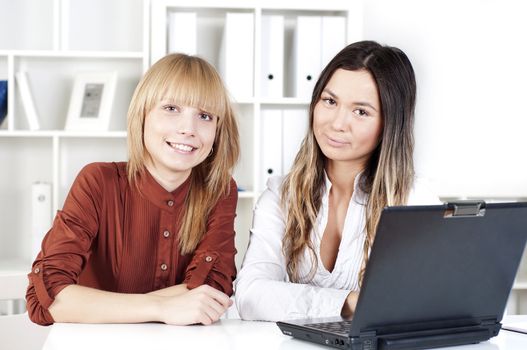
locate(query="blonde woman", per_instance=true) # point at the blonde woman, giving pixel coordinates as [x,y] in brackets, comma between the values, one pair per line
[313,230]
[151,239]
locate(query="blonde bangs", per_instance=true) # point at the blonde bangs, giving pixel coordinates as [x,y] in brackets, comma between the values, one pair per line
[190,83]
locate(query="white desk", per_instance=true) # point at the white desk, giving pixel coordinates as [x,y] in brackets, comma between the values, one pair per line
[224,335]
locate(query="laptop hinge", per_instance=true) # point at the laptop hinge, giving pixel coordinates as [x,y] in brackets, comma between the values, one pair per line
[465,208]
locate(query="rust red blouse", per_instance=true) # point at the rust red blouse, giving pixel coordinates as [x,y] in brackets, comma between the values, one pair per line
[121,238]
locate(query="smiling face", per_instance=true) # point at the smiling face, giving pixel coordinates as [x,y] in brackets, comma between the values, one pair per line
[177,138]
[347,119]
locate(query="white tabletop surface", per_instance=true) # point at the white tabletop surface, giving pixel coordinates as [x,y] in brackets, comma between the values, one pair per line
[225,334]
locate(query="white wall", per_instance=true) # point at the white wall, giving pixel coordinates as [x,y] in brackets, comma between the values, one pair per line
[470,58]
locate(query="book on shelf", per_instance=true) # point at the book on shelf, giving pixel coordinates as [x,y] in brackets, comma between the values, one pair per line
[282,132]
[271,145]
[305,63]
[272,72]
[27,100]
[295,123]
[316,40]
[333,32]
[3,100]
[236,54]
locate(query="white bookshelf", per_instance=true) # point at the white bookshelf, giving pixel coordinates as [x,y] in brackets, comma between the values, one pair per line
[55,40]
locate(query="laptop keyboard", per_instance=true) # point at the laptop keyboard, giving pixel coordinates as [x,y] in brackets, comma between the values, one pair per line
[340,327]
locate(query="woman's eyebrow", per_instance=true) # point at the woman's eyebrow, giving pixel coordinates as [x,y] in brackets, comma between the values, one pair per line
[360,103]
[329,92]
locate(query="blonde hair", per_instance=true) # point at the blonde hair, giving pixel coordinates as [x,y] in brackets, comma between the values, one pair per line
[388,176]
[190,81]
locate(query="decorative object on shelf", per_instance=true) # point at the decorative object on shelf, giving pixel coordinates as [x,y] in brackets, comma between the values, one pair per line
[91,101]
[27,100]
[3,100]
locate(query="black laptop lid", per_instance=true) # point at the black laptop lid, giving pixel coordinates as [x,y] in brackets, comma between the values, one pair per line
[428,267]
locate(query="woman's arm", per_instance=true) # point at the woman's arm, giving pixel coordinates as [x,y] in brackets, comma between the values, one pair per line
[263,291]
[348,309]
[67,246]
[174,305]
[213,260]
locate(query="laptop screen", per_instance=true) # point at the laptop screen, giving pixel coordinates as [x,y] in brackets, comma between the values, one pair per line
[431,268]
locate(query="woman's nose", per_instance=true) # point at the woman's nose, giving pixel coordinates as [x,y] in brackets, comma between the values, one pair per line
[340,120]
[186,123]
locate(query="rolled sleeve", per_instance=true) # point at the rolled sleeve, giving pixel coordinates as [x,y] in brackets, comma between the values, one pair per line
[213,260]
[65,248]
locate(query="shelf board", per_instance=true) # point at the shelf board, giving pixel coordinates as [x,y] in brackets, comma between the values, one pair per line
[92,134]
[246,194]
[63,133]
[74,54]
[333,5]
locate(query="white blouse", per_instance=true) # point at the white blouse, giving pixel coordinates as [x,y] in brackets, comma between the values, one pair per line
[263,289]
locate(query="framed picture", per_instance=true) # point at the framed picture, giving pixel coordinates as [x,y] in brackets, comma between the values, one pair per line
[91,101]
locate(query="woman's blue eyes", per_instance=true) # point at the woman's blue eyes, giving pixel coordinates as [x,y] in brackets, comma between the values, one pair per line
[205,116]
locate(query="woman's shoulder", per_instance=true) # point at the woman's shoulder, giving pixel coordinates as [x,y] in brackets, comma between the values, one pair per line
[422,193]
[233,185]
[274,183]
[103,171]
[272,193]
[232,192]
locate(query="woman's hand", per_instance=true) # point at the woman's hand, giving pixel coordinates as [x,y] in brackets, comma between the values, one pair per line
[349,305]
[200,305]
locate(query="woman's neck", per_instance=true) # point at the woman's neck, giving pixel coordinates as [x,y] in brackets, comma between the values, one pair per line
[342,176]
[169,181]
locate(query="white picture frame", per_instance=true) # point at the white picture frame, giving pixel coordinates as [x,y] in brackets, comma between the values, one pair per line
[91,101]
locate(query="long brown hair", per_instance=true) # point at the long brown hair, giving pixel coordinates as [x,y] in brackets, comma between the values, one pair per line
[388,176]
[191,81]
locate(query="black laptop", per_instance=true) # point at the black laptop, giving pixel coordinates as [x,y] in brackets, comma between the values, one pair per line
[437,276]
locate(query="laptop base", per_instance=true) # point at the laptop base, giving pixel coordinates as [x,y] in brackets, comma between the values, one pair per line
[414,340]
